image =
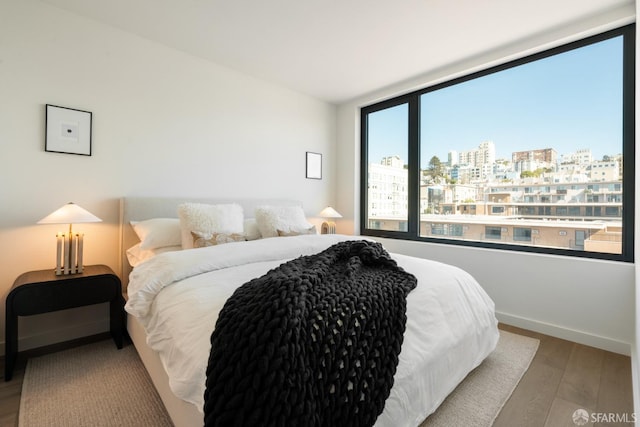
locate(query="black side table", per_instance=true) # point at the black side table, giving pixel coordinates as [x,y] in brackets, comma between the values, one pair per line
[41,291]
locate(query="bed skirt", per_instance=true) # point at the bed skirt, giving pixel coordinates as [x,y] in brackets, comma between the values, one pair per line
[182,413]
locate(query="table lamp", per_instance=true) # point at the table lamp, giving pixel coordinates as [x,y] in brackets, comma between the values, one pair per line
[329,227]
[69,245]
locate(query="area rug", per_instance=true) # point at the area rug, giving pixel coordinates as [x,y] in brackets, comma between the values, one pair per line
[478,399]
[92,385]
[98,385]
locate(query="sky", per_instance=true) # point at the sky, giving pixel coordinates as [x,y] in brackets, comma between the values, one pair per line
[566,102]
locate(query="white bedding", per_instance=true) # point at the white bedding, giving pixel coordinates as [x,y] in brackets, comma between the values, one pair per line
[176,296]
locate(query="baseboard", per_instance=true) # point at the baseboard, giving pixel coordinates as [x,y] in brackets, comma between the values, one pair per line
[580,337]
[635,381]
[67,333]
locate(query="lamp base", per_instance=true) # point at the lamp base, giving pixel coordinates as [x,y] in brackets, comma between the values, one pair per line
[328,227]
[69,254]
[69,272]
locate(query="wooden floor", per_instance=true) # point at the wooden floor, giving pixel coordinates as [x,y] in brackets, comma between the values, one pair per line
[563,377]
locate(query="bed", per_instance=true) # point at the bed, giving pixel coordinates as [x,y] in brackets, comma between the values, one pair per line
[175,296]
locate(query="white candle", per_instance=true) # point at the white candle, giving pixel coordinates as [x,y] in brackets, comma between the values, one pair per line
[72,254]
[66,254]
[58,254]
[79,238]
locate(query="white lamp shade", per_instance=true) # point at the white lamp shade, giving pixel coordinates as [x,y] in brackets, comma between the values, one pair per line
[329,212]
[69,214]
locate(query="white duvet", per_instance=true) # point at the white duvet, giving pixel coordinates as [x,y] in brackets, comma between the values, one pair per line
[451,326]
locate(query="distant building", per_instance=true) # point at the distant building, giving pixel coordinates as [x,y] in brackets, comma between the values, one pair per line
[452,158]
[485,154]
[580,157]
[393,161]
[545,155]
[573,204]
[603,171]
[388,188]
[588,236]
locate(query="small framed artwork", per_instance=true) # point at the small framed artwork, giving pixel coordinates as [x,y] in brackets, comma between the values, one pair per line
[314,165]
[67,130]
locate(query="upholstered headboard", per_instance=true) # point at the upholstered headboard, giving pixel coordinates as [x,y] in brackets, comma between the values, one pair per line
[141,208]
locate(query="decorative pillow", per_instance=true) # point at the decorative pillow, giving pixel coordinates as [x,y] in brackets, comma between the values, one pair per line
[216,239]
[157,232]
[207,220]
[135,254]
[270,219]
[311,230]
[251,230]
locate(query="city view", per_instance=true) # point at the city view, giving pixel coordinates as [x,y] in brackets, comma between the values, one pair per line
[529,155]
[537,197]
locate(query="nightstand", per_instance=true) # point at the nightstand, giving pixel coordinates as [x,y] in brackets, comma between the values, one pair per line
[37,292]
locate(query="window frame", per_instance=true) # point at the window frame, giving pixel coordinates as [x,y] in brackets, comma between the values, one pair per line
[412,99]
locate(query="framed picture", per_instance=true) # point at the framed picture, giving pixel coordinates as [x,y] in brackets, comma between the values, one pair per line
[314,165]
[67,130]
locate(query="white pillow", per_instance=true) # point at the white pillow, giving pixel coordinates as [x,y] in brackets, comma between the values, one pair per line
[287,219]
[207,220]
[157,232]
[135,254]
[251,230]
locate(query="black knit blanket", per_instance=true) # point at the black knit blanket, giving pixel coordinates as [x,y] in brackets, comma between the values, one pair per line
[314,342]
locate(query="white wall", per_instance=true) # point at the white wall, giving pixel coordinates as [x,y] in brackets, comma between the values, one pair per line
[635,349]
[164,123]
[587,301]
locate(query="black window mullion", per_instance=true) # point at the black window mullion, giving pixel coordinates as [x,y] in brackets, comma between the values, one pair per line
[364,170]
[364,166]
[628,137]
[414,167]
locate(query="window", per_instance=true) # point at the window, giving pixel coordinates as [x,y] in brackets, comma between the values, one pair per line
[388,174]
[493,232]
[437,229]
[543,136]
[611,211]
[446,230]
[527,210]
[521,234]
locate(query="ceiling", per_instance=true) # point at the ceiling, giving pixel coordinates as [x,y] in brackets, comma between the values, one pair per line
[337,50]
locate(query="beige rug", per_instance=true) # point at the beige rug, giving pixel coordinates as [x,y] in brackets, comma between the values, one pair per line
[97,385]
[478,399]
[90,386]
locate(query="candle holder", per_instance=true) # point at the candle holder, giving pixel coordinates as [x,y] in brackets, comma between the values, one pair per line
[69,246]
